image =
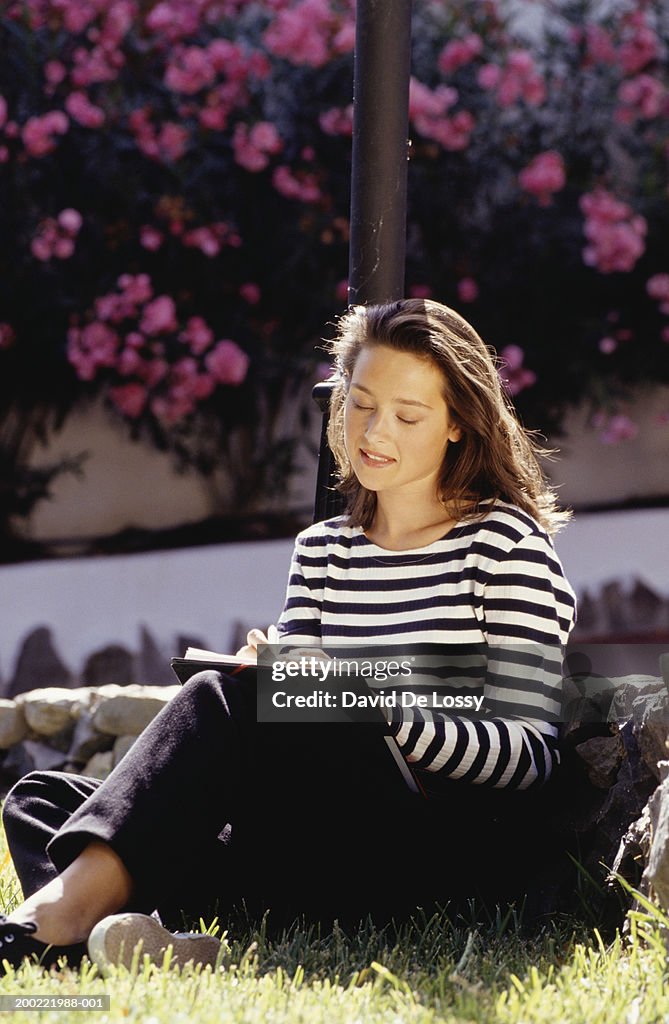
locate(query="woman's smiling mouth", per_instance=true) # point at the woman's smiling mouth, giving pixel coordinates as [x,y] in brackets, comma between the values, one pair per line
[374,459]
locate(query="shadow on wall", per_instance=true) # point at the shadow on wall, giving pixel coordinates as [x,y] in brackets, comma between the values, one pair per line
[39,664]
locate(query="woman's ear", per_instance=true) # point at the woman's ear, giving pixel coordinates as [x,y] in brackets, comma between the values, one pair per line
[455,434]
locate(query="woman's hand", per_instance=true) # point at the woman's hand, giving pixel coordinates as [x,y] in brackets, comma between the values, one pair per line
[254,637]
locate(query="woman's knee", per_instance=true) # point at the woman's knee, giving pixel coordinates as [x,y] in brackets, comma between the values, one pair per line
[210,687]
[46,789]
[31,786]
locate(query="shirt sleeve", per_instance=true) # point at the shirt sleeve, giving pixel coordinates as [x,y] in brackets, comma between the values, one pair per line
[526,612]
[301,616]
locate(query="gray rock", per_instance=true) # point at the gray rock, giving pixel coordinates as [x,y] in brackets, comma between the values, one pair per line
[121,747]
[129,713]
[38,664]
[48,710]
[632,852]
[651,718]
[32,755]
[111,664]
[13,726]
[86,739]
[603,756]
[657,868]
[628,689]
[100,765]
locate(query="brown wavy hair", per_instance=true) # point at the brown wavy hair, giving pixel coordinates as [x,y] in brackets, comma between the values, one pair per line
[496,458]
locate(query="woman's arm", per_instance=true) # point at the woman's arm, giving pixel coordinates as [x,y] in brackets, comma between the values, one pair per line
[526,614]
[300,619]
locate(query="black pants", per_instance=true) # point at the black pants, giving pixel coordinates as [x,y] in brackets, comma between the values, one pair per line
[212,812]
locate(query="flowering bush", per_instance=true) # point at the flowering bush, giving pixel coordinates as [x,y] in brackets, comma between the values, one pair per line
[174,204]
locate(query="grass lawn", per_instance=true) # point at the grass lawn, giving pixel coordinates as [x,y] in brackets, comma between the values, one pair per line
[430,970]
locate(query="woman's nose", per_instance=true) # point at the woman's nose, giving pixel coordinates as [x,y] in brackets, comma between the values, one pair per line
[377,426]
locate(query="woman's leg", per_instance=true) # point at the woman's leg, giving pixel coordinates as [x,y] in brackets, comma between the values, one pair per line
[142,832]
[96,883]
[36,807]
[65,910]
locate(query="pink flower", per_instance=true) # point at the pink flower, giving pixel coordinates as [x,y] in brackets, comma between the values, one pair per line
[80,109]
[197,334]
[643,96]
[607,345]
[205,239]
[614,233]
[344,39]
[150,238]
[468,290]
[517,79]
[337,121]
[253,147]
[92,347]
[70,221]
[228,363]
[600,45]
[657,287]
[544,176]
[159,316]
[459,52]
[640,47]
[174,19]
[302,34]
[129,362]
[54,72]
[101,64]
[39,132]
[489,76]
[324,371]
[129,398]
[136,288]
[264,136]
[616,428]
[7,336]
[250,292]
[420,291]
[63,248]
[55,237]
[190,71]
[341,291]
[172,141]
[426,105]
[304,188]
[514,377]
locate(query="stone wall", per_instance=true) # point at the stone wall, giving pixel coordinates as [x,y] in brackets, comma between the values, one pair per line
[86,730]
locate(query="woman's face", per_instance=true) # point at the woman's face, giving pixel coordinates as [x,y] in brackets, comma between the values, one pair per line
[397,425]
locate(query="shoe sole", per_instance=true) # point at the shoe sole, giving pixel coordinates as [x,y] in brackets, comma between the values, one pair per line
[114,941]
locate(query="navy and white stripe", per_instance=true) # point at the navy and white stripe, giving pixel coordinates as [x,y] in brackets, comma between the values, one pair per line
[496,581]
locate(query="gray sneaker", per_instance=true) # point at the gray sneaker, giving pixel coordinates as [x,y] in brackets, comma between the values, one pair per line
[114,940]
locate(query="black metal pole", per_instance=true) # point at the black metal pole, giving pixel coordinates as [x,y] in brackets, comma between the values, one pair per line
[381,69]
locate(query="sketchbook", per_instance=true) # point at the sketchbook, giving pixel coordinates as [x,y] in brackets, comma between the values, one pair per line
[197,659]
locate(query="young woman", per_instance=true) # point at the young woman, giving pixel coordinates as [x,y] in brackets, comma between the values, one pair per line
[446,542]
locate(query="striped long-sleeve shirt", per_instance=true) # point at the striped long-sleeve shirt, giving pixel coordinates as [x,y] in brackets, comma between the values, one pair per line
[497,582]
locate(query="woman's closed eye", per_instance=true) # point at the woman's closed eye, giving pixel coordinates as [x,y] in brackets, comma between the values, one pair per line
[370,408]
